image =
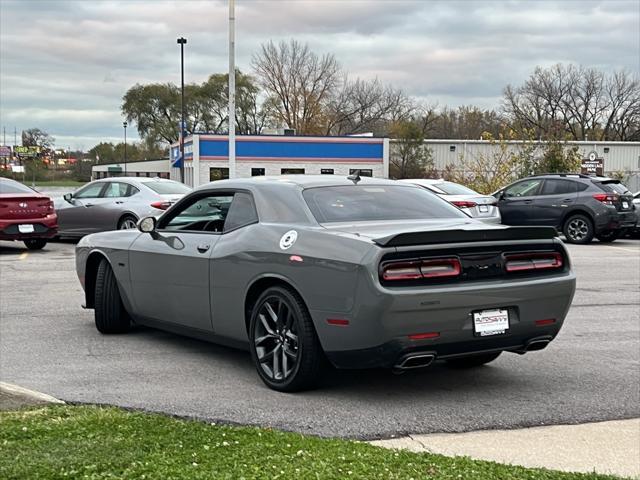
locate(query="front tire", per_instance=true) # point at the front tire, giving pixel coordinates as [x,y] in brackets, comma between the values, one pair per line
[578,229]
[473,361]
[609,236]
[283,342]
[110,315]
[35,243]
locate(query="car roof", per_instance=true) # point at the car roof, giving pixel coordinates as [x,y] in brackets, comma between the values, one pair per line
[296,181]
[423,181]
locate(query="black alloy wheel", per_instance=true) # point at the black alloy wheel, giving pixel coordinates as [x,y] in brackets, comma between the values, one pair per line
[283,341]
[578,229]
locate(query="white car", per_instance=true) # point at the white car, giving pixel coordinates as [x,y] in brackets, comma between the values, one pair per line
[478,206]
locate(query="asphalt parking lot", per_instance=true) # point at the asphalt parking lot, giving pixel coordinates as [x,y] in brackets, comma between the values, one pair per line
[591,372]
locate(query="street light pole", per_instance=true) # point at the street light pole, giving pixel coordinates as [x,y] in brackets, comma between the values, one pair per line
[232,89]
[124,124]
[182,41]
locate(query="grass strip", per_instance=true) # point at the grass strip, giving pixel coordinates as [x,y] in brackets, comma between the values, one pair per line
[89,442]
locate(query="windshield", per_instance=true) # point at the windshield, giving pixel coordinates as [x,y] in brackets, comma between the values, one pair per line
[9,186]
[167,187]
[450,188]
[613,187]
[360,203]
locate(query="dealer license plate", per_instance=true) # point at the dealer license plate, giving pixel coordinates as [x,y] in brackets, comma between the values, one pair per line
[491,322]
[484,208]
[625,205]
[27,228]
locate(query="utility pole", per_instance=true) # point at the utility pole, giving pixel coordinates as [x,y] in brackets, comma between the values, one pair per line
[182,41]
[232,90]
[124,124]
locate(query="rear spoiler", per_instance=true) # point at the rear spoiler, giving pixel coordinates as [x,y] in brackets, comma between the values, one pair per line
[463,236]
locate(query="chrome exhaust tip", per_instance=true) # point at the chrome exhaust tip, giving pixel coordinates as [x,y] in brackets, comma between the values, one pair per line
[534,345]
[420,360]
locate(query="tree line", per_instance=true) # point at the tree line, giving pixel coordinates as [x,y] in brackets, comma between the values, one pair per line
[294,87]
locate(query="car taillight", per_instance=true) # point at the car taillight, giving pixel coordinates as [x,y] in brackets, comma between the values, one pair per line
[48,204]
[605,198]
[413,270]
[161,205]
[464,204]
[520,262]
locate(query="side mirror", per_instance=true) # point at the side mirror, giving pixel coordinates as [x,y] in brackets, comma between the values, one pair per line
[68,197]
[147,224]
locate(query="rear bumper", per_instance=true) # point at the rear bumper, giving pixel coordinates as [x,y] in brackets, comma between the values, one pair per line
[42,228]
[615,220]
[392,353]
[379,330]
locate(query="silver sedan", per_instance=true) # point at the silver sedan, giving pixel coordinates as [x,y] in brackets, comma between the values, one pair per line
[481,207]
[115,204]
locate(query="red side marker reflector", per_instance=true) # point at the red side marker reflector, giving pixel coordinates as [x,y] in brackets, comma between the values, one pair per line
[423,336]
[546,321]
[338,321]
[295,258]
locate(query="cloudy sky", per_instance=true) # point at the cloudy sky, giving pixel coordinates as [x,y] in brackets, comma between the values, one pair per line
[65,65]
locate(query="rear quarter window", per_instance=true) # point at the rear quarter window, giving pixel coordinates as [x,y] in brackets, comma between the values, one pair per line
[613,187]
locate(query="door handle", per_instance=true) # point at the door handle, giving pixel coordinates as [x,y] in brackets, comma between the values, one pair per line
[202,248]
[119,202]
[88,204]
[567,200]
[528,201]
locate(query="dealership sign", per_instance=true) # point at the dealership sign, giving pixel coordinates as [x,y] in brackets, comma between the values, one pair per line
[29,151]
[592,165]
[5,151]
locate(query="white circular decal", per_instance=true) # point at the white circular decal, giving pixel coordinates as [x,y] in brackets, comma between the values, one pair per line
[288,239]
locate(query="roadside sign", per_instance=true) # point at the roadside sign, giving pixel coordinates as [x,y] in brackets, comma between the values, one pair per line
[592,165]
[5,151]
[30,151]
[17,168]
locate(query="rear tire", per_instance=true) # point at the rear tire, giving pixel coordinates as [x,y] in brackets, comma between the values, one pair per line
[473,361]
[110,315]
[35,243]
[127,222]
[283,341]
[578,229]
[608,236]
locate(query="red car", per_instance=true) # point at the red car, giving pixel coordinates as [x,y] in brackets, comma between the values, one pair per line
[26,215]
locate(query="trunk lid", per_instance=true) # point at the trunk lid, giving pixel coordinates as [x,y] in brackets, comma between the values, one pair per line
[16,206]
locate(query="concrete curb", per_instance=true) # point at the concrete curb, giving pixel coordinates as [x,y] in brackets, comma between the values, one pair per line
[30,394]
[611,447]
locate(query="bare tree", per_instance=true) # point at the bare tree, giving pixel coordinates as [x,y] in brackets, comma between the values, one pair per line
[580,102]
[299,83]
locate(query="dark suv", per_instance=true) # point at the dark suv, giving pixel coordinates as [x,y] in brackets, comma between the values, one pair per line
[580,206]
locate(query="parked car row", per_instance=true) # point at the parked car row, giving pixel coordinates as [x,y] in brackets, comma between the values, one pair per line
[581,207]
[106,204]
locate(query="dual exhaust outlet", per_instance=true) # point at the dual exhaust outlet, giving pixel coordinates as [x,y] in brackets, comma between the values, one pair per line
[421,360]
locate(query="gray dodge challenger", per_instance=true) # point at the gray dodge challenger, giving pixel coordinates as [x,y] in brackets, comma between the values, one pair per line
[301,270]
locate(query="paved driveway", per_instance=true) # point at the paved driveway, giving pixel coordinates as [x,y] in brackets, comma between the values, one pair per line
[591,371]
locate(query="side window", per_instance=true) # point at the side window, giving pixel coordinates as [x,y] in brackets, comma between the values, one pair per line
[90,191]
[117,189]
[204,214]
[241,213]
[131,190]
[526,188]
[558,187]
